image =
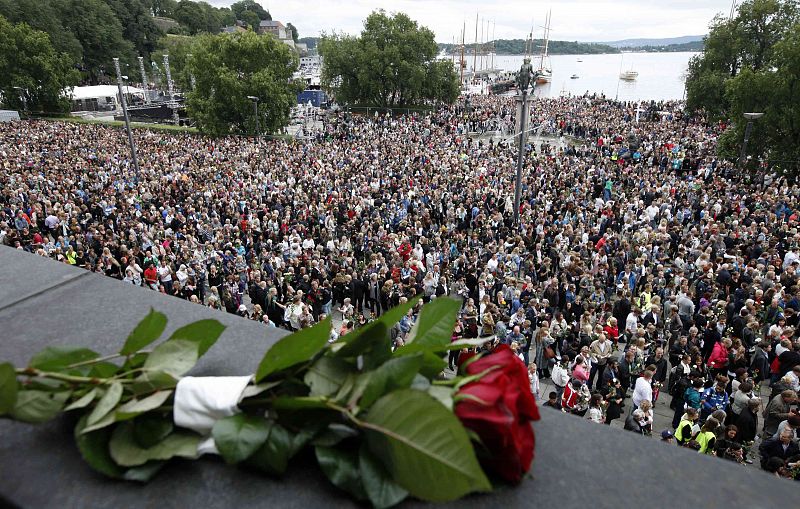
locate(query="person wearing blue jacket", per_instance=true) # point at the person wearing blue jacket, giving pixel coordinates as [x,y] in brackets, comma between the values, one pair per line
[714,398]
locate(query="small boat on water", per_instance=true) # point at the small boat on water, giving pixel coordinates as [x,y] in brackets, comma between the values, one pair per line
[629,75]
[579,60]
[574,77]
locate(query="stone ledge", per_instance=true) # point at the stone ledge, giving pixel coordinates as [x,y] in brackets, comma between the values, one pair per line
[577,463]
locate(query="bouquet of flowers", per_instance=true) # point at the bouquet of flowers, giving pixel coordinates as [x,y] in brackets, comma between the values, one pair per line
[382,423]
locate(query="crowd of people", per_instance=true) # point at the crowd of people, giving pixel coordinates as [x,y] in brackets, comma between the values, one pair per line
[642,265]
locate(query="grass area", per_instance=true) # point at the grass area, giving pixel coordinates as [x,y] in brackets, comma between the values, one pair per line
[120,123]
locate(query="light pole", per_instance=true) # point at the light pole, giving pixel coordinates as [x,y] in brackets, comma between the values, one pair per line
[255,111]
[524,79]
[127,120]
[750,117]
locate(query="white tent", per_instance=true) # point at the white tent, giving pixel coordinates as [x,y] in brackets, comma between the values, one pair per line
[98,91]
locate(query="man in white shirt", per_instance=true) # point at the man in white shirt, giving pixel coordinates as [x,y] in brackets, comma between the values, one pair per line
[643,391]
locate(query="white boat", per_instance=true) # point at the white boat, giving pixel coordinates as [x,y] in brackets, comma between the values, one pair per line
[629,75]
[544,74]
[574,77]
[579,60]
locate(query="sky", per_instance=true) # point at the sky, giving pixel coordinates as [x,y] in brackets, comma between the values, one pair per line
[572,20]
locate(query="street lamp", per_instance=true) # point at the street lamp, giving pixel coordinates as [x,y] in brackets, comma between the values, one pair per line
[127,120]
[524,80]
[750,117]
[255,110]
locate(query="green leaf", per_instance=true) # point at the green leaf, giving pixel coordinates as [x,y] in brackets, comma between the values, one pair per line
[443,395]
[255,390]
[127,453]
[145,472]
[326,376]
[237,437]
[432,364]
[433,329]
[421,444]
[152,381]
[341,468]
[295,348]
[8,387]
[468,343]
[106,404]
[135,361]
[203,332]
[83,401]
[272,457]
[150,429]
[103,370]
[381,490]
[174,357]
[148,330]
[106,421]
[334,434]
[57,358]
[94,449]
[135,407]
[38,406]
[298,403]
[358,341]
[395,374]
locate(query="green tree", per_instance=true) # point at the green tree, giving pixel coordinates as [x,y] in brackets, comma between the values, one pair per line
[746,41]
[251,18]
[229,68]
[33,75]
[137,25]
[750,64]
[99,32]
[293,32]
[47,17]
[392,63]
[200,17]
[252,6]
[178,47]
[162,8]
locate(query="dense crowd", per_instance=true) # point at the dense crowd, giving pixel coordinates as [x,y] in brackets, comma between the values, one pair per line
[641,265]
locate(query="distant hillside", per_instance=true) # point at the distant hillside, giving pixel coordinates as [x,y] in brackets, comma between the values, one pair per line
[638,43]
[517,47]
[669,48]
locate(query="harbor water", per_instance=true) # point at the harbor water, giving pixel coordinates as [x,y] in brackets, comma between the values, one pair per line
[661,75]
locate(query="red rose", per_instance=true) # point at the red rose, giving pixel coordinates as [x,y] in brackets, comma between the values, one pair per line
[499,408]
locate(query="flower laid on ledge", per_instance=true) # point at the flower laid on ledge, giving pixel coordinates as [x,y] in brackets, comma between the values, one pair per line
[382,423]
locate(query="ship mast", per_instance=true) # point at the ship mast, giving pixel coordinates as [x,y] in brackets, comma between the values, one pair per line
[461,62]
[475,51]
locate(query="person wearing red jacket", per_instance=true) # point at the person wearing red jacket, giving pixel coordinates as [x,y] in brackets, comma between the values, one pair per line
[611,331]
[718,361]
[405,250]
[570,397]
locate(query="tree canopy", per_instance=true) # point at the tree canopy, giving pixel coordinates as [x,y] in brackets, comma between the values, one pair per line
[33,76]
[230,67]
[392,63]
[751,63]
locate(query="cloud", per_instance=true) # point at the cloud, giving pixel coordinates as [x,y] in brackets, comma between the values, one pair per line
[580,20]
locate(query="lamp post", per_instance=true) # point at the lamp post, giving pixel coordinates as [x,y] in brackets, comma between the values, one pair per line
[255,110]
[127,120]
[524,79]
[750,117]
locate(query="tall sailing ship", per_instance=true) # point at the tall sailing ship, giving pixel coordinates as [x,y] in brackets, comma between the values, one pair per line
[544,74]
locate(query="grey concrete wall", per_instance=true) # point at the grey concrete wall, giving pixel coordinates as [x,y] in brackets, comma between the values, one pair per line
[577,463]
